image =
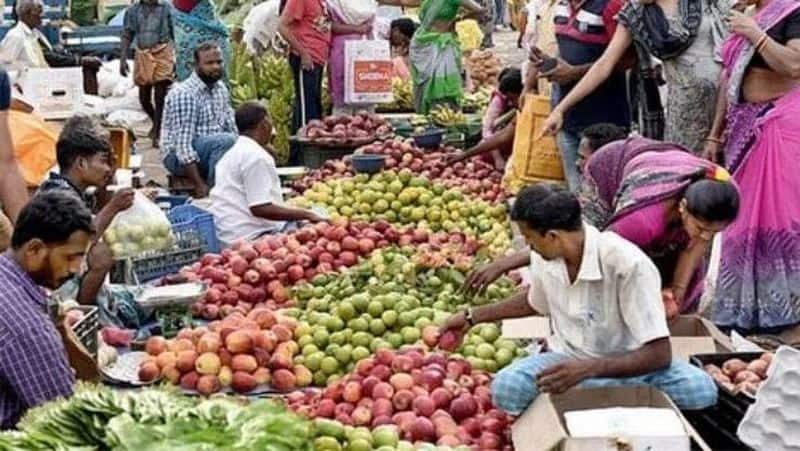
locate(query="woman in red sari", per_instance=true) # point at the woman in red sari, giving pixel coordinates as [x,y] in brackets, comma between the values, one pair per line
[758,126]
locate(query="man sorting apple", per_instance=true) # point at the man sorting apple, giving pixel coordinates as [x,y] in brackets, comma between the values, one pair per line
[603,296]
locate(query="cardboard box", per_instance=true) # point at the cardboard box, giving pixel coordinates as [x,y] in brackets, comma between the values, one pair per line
[692,334]
[542,426]
[54,93]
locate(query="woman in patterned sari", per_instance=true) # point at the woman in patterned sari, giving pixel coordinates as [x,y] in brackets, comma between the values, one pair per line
[758,287]
[665,200]
[192,28]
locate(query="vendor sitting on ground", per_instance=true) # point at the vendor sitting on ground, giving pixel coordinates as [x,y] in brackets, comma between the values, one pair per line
[24,46]
[198,126]
[247,201]
[400,33]
[47,248]
[603,296]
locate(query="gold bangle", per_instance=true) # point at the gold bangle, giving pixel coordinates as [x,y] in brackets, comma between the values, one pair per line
[713,140]
[761,41]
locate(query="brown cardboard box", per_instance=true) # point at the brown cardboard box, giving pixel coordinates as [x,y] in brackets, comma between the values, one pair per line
[542,426]
[692,334]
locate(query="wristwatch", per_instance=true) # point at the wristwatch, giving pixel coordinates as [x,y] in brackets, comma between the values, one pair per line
[468,317]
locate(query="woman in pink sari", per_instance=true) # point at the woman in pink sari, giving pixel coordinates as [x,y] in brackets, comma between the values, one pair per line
[758,121]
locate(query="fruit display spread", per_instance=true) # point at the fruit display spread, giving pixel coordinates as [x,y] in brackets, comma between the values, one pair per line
[483,67]
[334,130]
[474,177]
[402,198]
[429,397]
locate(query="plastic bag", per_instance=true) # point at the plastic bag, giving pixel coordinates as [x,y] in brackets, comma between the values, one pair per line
[354,12]
[141,228]
[368,72]
[260,26]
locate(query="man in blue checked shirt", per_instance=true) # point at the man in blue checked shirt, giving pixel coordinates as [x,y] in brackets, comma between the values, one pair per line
[198,126]
[603,296]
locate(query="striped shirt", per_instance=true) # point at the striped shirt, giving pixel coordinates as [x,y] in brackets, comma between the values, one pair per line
[193,109]
[33,362]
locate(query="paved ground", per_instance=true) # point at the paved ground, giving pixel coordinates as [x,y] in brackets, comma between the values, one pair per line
[505,48]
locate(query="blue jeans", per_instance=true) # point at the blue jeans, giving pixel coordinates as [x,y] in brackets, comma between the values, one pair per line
[568,142]
[514,388]
[210,149]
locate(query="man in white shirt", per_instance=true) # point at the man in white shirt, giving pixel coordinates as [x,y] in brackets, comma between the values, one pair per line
[246,200]
[24,46]
[603,296]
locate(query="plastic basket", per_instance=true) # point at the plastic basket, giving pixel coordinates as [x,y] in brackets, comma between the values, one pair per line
[86,329]
[153,266]
[189,219]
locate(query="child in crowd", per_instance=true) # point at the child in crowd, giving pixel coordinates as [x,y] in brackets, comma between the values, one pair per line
[504,99]
[401,32]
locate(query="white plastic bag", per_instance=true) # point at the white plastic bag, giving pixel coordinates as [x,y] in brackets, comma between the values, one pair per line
[141,228]
[354,12]
[260,26]
[368,72]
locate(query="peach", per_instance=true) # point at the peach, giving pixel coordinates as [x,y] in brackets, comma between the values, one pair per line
[283,380]
[362,416]
[208,363]
[189,380]
[282,333]
[166,359]
[243,382]
[209,342]
[239,342]
[244,362]
[225,376]
[352,392]
[149,371]
[382,390]
[155,345]
[401,381]
[303,376]
[208,384]
[280,361]
[263,317]
[171,374]
[181,344]
[186,333]
[262,376]
[265,340]
[185,361]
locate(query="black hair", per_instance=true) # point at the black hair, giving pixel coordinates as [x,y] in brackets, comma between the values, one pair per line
[510,81]
[204,47]
[52,216]
[601,134]
[404,25]
[712,200]
[249,115]
[547,206]
[81,136]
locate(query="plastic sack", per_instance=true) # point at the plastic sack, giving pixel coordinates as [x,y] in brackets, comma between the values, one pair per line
[354,12]
[535,158]
[260,26]
[141,228]
[368,72]
[34,145]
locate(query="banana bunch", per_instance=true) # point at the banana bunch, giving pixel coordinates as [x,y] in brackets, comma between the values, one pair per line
[403,96]
[276,86]
[479,99]
[418,120]
[445,116]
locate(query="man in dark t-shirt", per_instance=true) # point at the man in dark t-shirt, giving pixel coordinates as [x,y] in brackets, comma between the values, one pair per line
[583,30]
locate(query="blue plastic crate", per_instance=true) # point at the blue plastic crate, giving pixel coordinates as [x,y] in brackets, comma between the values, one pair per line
[189,218]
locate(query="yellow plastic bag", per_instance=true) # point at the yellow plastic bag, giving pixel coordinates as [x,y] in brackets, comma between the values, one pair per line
[532,160]
[34,146]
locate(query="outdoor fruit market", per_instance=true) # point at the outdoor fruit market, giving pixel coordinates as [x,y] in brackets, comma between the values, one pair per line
[399,225]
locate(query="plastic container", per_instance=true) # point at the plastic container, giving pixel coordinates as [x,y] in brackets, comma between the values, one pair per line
[192,219]
[368,163]
[430,139]
[314,157]
[154,266]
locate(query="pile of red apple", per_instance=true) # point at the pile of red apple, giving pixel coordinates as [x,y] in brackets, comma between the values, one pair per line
[431,398]
[238,352]
[344,128]
[474,177]
[249,275]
